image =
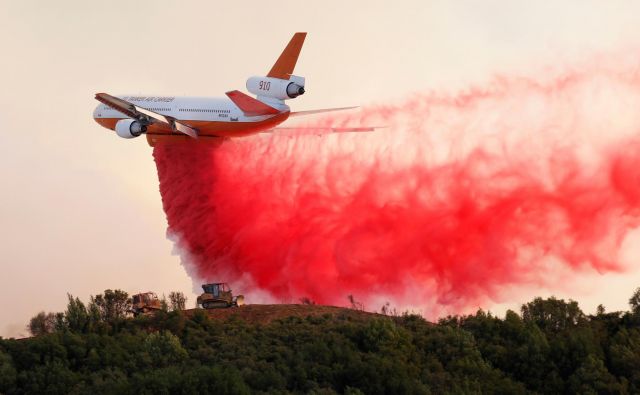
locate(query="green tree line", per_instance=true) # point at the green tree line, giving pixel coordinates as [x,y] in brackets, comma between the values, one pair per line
[550,346]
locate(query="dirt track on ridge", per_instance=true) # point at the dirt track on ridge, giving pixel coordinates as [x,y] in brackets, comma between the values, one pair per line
[265,313]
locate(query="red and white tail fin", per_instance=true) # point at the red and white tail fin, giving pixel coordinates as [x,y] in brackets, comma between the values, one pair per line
[250,107]
[280,84]
[283,68]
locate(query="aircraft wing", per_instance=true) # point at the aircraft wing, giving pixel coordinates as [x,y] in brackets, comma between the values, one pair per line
[145,116]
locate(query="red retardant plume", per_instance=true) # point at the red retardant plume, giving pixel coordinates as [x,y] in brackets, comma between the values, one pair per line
[459,198]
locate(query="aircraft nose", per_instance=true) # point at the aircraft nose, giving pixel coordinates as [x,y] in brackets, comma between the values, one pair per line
[97,112]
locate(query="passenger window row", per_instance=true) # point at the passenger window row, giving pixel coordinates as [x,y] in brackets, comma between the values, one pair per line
[204,110]
[181,110]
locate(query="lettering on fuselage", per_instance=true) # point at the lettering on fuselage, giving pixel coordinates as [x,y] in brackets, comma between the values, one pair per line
[153,99]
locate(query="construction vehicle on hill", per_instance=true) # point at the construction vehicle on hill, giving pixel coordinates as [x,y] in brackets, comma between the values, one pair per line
[218,295]
[145,303]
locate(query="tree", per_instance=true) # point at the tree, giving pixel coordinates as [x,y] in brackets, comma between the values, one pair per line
[164,306]
[164,348]
[76,316]
[177,301]
[113,305]
[93,315]
[7,373]
[634,302]
[59,323]
[625,356]
[42,323]
[553,314]
[593,378]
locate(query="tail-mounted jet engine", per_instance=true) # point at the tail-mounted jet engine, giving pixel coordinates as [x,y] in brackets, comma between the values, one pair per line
[276,88]
[129,128]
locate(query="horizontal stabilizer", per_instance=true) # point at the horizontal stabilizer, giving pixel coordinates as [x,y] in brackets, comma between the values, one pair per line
[311,112]
[251,107]
[298,131]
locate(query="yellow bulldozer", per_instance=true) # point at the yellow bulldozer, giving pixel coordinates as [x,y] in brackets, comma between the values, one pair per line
[218,295]
[145,303]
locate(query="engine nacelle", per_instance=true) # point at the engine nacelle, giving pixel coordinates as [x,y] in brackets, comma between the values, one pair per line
[276,88]
[129,128]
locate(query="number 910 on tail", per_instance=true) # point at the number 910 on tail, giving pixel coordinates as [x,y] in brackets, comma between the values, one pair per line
[265,87]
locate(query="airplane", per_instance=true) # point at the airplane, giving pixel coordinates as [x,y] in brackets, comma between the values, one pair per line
[172,118]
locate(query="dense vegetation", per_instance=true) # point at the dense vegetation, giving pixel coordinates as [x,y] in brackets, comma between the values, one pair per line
[551,347]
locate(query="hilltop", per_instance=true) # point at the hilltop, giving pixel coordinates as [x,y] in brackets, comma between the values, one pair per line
[550,347]
[266,313]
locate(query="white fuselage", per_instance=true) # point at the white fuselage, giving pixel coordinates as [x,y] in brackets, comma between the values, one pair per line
[206,109]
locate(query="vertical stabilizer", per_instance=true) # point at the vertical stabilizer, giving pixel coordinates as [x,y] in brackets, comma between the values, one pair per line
[283,68]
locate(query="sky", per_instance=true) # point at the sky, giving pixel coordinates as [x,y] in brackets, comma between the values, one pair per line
[80,209]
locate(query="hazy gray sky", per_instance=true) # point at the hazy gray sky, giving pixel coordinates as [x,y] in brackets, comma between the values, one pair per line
[80,209]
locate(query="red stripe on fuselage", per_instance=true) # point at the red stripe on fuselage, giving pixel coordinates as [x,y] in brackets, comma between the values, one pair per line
[210,128]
